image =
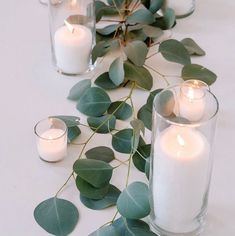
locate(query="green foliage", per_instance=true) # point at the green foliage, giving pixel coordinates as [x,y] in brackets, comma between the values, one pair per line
[105,82]
[139,158]
[174,51]
[155,5]
[151,97]
[122,141]
[152,32]
[199,72]
[101,153]
[105,231]
[56,216]
[108,29]
[116,71]
[145,114]
[94,102]
[109,199]
[73,133]
[97,173]
[121,110]
[79,89]
[103,124]
[147,167]
[192,47]
[100,50]
[141,16]
[138,126]
[133,203]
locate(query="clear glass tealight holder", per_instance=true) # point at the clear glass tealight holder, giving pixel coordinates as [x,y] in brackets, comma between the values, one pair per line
[51,138]
[72,31]
[182,8]
[184,121]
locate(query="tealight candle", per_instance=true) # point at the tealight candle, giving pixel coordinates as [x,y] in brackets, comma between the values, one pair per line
[180,177]
[51,139]
[73,45]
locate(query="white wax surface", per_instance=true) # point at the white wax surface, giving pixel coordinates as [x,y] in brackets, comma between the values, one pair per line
[52,146]
[180,7]
[179,178]
[72,49]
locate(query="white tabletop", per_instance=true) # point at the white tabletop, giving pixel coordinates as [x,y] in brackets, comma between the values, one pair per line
[31,90]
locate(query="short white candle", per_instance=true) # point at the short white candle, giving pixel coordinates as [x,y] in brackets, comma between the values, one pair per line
[181,159]
[181,7]
[73,45]
[192,103]
[52,145]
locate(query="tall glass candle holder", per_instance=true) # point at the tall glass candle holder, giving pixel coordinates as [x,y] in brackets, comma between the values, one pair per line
[51,136]
[181,158]
[72,31]
[182,8]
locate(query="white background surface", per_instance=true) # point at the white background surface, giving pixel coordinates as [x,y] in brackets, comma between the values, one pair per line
[31,90]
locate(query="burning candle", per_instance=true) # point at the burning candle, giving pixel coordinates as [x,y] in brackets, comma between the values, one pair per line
[180,177]
[73,45]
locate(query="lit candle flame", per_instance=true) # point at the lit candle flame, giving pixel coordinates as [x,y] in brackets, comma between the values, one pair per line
[69,26]
[180,140]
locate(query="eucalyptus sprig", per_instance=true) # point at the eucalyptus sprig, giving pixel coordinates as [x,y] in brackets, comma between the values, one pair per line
[136,27]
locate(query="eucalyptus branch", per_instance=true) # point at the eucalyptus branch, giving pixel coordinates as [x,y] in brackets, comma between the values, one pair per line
[64,184]
[152,55]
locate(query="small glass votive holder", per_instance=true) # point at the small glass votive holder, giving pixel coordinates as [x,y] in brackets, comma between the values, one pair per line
[72,31]
[51,140]
[181,158]
[182,8]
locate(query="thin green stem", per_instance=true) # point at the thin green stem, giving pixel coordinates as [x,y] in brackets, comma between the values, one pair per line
[129,169]
[114,217]
[64,184]
[152,55]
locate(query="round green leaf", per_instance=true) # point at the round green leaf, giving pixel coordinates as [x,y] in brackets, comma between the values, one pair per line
[108,29]
[140,75]
[198,72]
[139,159]
[89,191]
[109,200]
[155,5]
[145,114]
[73,133]
[70,121]
[169,18]
[105,82]
[136,52]
[100,50]
[56,216]
[151,98]
[79,89]
[97,173]
[105,231]
[152,32]
[122,141]
[94,102]
[138,126]
[192,47]
[133,203]
[124,110]
[101,153]
[141,16]
[174,51]
[95,122]
[116,71]
[147,167]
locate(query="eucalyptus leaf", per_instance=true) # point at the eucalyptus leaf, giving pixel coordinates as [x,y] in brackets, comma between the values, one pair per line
[97,173]
[122,141]
[56,216]
[79,89]
[107,30]
[89,191]
[130,227]
[137,34]
[198,72]
[133,203]
[145,114]
[121,110]
[100,50]
[152,32]
[99,9]
[70,121]
[136,52]
[166,103]
[105,82]
[73,133]
[103,124]
[139,158]
[105,231]
[138,126]
[109,200]
[151,98]
[101,153]
[140,75]
[116,71]
[193,47]
[174,51]
[147,167]
[94,102]
[141,16]
[155,5]
[117,3]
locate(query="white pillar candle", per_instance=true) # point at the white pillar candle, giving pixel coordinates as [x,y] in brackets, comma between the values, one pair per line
[73,45]
[192,103]
[52,145]
[181,159]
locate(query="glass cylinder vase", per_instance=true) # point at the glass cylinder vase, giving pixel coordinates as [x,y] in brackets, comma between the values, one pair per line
[72,31]
[182,8]
[184,120]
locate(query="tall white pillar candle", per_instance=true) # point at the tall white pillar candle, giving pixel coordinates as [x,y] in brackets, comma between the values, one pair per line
[181,159]
[73,45]
[52,145]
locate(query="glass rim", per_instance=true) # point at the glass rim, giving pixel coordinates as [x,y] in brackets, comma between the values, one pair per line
[46,119]
[194,124]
